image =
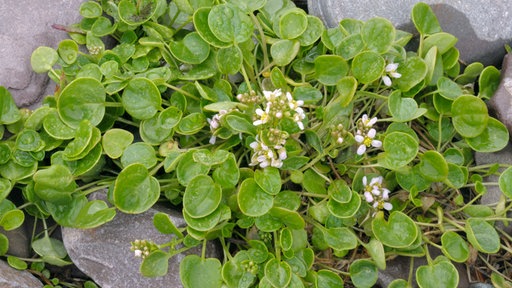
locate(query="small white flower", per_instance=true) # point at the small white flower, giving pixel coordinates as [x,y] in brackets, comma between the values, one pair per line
[361,149]
[339,140]
[388,206]
[368,123]
[375,194]
[391,71]
[368,196]
[138,253]
[264,116]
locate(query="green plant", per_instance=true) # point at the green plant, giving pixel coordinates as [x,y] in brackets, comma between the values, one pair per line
[313,155]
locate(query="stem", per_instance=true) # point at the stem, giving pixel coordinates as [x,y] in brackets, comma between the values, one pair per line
[181,91]
[262,36]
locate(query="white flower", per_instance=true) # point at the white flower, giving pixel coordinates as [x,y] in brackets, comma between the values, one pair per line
[391,71]
[376,194]
[138,253]
[365,137]
[264,116]
[368,123]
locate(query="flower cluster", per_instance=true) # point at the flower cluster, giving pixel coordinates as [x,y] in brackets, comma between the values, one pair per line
[215,124]
[142,248]
[277,106]
[265,155]
[365,134]
[338,133]
[249,98]
[390,72]
[376,194]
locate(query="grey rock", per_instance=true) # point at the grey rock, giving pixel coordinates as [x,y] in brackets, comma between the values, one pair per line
[12,278]
[19,241]
[398,268]
[482,27]
[501,102]
[24,26]
[104,254]
[494,193]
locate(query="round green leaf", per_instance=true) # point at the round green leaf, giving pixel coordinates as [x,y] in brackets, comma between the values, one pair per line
[329,69]
[227,174]
[12,219]
[68,51]
[155,264]
[43,59]
[102,27]
[328,279]
[279,274]
[229,59]
[135,191]
[230,24]
[192,49]
[201,25]
[313,32]
[494,137]
[187,169]
[56,128]
[399,231]
[82,99]
[291,24]
[55,183]
[368,66]
[441,274]
[470,115]
[378,34]
[340,238]
[269,179]
[141,98]
[284,51]
[90,9]
[136,12]
[350,46]
[363,273]
[345,210]
[208,222]
[29,140]
[198,273]
[292,219]
[115,141]
[202,196]
[448,88]
[482,235]
[404,109]
[433,166]
[141,153]
[400,149]
[16,263]
[340,191]
[454,247]
[253,200]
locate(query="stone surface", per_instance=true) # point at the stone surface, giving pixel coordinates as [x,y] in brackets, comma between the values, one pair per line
[398,268]
[24,26]
[104,253]
[501,103]
[483,27]
[12,278]
[19,241]
[493,191]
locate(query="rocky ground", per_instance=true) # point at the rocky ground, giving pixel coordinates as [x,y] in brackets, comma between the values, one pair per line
[103,254]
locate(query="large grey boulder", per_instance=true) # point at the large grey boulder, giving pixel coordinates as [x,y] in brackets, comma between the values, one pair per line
[482,27]
[12,278]
[24,26]
[104,254]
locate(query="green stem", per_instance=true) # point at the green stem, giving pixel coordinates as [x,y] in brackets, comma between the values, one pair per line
[181,91]
[262,37]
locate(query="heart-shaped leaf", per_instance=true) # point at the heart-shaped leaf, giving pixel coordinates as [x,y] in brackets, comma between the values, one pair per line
[368,66]
[269,179]
[192,49]
[378,34]
[141,98]
[399,150]
[82,99]
[403,109]
[202,196]
[399,231]
[278,273]
[198,273]
[253,200]
[135,191]
[441,274]
[494,137]
[470,115]
[155,264]
[230,24]
[329,69]
[114,142]
[363,273]
[482,235]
